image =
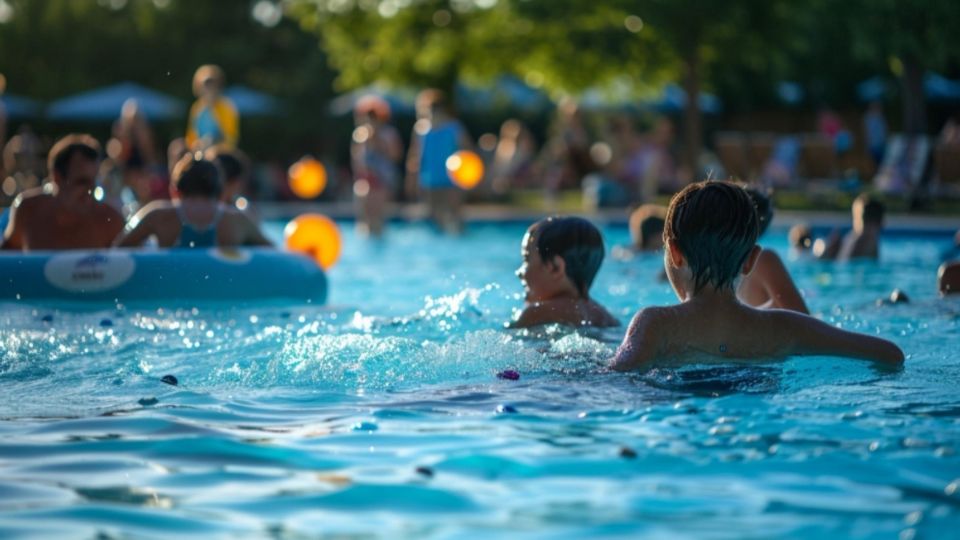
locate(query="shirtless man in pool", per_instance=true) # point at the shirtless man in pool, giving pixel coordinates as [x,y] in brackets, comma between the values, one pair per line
[64,214]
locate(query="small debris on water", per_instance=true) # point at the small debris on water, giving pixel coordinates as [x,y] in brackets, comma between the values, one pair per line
[627,452]
[506,409]
[47,318]
[148,401]
[425,471]
[106,323]
[170,379]
[365,426]
[509,374]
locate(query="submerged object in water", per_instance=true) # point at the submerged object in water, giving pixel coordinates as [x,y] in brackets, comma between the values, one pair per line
[125,276]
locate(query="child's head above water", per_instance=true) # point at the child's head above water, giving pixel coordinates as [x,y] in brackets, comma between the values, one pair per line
[560,253]
[196,177]
[714,226]
[646,227]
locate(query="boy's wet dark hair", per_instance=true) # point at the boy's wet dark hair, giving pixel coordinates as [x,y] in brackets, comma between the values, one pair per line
[63,151]
[873,209]
[715,226]
[197,177]
[646,223]
[761,201]
[577,241]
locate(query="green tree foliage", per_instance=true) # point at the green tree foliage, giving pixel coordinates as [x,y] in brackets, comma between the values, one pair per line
[53,48]
[908,38]
[567,45]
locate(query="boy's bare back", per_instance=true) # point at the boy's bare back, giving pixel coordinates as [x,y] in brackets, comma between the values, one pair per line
[692,331]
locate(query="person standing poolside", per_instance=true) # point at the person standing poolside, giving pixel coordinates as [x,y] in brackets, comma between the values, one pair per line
[711,233]
[194,217]
[64,214]
[770,284]
[213,117]
[375,151]
[561,257]
[437,135]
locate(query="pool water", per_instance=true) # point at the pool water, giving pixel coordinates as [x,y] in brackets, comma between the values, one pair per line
[382,416]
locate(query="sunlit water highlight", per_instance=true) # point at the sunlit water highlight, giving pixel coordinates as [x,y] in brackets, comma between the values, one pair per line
[382,415]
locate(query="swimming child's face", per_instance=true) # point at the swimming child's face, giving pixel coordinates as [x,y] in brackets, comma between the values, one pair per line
[539,278]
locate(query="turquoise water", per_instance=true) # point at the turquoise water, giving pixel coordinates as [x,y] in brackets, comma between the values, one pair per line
[381,415]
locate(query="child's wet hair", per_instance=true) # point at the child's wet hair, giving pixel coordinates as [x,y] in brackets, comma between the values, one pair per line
[577,241]
[761,201]
[715,226]
[646,223]
[194,176]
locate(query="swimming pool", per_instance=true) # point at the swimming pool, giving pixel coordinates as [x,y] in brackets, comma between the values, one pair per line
[381,415]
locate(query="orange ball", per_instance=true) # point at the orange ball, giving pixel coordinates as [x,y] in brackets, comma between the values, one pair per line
[307,178]
[465,169]
[317,236]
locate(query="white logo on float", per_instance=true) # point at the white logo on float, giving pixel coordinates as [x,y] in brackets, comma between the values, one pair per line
[230,255]
[89,271]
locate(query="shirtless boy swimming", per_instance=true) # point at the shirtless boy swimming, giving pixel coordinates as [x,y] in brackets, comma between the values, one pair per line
[561,257]
[710,235]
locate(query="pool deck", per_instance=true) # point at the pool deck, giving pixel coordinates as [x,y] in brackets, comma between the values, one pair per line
[512,214]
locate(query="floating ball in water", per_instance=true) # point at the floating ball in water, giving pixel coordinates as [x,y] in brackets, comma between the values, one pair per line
[307,178]
[317,236]
[509,374]
[170,379]
[106,323]
[465,169]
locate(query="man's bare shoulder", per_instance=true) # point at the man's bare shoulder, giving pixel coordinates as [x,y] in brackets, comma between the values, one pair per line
[33,198]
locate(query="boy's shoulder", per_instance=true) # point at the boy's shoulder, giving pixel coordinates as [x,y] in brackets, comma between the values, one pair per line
[565,311]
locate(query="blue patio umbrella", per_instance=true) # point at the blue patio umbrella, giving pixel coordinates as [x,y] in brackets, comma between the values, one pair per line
[940,88]
[674,99]
[872,89]
[401,100]
[17,107]
[790,92]
[504,92]
[250,102]
[104,104]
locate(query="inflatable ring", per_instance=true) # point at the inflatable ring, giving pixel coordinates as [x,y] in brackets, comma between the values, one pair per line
[162,276]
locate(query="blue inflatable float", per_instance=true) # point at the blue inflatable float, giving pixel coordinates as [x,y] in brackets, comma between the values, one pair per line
[162,276]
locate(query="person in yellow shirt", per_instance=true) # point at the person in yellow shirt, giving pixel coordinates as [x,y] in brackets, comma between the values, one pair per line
[213,117]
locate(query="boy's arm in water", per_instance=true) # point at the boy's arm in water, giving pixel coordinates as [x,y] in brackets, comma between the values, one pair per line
[141,226]
[253,235]
[814,337]
[778,283]
[641,343]
[13,235]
